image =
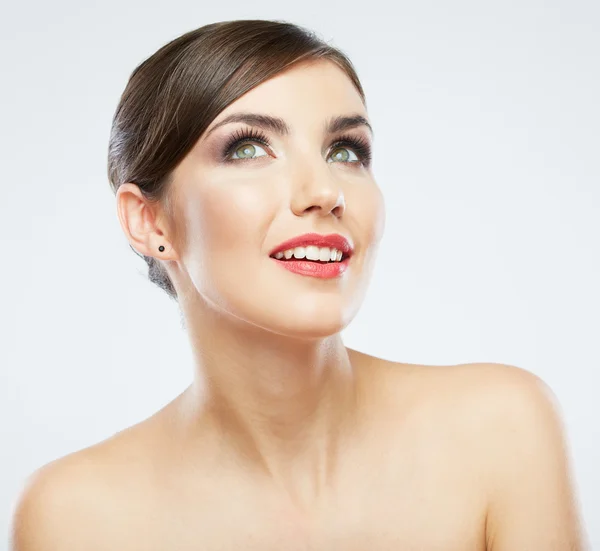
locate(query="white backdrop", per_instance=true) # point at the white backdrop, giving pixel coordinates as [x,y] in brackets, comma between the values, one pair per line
[487,151]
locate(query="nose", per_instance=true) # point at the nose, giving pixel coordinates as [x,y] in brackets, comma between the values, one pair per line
[318,193]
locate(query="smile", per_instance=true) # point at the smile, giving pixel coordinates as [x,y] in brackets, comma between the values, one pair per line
[315,255]
[321,254]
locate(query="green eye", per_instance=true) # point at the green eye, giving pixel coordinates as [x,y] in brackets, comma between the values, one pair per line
[247,144]
[247,151]
[341,155]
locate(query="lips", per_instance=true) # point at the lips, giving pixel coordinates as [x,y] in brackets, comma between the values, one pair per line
[332,240]
[325,270]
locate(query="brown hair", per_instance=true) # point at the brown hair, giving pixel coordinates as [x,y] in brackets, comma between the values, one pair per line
[172,97]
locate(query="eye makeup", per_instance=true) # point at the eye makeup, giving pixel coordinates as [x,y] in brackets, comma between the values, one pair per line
[238,138]
[358,144]
[361,147]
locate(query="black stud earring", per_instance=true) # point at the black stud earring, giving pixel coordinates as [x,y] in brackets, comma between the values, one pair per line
[161,248]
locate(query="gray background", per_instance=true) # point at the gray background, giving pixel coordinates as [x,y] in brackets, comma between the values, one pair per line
[487,144]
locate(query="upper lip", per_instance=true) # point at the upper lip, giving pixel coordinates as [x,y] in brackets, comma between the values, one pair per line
[332,240]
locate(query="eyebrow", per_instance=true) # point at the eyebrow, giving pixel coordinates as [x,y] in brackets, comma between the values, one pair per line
[279,126]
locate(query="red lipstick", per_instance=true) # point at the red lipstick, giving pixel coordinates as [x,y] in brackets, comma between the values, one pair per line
[315,268]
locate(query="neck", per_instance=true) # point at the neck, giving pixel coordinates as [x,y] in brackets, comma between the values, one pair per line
[282,407]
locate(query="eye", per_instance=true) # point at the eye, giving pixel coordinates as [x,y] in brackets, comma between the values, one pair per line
[341,154]
[352,150]
[243,144]
[247,151]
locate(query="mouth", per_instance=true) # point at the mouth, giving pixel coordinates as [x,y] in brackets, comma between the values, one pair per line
[312,253]
[315,255]
[314,247]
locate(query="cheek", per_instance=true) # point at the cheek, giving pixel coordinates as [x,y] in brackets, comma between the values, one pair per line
[369,211]
[379,215]
[228,218]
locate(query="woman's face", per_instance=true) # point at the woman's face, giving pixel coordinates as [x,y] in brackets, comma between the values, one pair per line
[239,203]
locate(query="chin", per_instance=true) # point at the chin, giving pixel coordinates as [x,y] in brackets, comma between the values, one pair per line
[300,314]
[309,331]
[301,321]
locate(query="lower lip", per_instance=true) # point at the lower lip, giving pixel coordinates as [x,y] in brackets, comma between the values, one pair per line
[325,270]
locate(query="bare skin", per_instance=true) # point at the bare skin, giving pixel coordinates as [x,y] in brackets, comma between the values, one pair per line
[416,472]
[286,439]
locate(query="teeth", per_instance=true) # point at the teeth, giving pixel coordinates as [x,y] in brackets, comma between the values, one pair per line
[313,253]
[323,254]
[299,252]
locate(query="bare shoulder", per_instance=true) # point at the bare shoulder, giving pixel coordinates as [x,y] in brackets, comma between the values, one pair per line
[500,406]
[474,388]
[74,502]
[499,388]
[506,424]
[482,391]
[503,403]
[48,512]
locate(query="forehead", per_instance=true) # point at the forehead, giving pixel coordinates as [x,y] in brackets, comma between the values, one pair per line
[311,89]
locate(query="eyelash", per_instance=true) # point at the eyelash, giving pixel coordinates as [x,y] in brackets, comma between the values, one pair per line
[360,146]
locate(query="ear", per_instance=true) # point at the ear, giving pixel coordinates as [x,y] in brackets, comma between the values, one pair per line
[141,221]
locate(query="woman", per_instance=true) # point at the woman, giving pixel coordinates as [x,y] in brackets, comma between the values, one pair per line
[240,156]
